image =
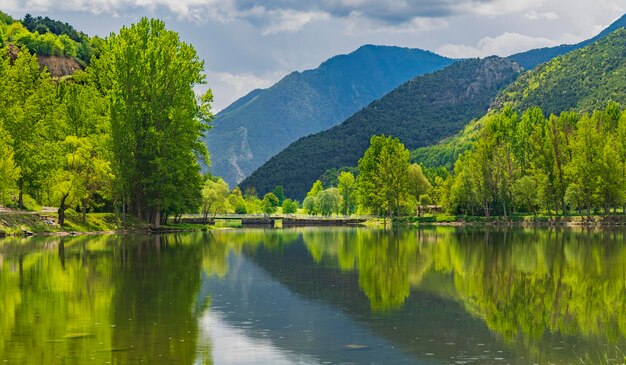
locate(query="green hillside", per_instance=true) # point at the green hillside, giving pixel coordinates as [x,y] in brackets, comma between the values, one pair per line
[58,46]
[530,59]
[419,112]
[582,80]
[262,123]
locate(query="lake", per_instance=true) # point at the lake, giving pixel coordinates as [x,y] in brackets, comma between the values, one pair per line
[316,296]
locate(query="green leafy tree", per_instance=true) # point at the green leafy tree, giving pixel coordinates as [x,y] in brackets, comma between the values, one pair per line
[9,172]
[279,192]
[269,203]
[315,189]
[310,205]
[214,198]
[383,178]
[418,183]
[290,206]
[587,153]
[347,189]
[525,195]
[329,201]
[27,110]
[157,121]
[237,202]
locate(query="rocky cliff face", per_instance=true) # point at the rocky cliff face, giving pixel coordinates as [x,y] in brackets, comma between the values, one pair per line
[58,66]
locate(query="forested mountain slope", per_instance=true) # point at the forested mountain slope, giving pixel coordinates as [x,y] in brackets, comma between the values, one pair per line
[582,80]
[419,112]
[534,57]
[262,123]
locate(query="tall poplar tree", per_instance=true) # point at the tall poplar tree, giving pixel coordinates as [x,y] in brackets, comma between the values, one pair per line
[156,120]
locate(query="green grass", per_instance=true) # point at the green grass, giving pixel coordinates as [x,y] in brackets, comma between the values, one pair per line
[16,223]
[12,224]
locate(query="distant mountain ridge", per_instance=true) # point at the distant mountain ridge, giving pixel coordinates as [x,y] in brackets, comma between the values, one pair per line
[419,112]
[530,59]
[263,122]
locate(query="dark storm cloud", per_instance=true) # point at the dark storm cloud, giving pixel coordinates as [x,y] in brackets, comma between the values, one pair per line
[386,11]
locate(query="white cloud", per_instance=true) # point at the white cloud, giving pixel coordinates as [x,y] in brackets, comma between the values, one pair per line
[233,86]
[498,7]
[533,15]
[503,45]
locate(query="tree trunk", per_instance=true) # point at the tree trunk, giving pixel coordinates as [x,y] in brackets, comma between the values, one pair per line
[84,211]
[20,199]
[156,218]
[61,210]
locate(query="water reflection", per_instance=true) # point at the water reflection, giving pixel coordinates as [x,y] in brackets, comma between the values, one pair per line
[313,295]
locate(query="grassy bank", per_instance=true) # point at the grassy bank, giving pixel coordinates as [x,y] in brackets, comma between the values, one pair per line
[18,223]
[515,220]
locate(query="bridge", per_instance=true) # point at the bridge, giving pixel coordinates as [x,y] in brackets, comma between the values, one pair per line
[261,220]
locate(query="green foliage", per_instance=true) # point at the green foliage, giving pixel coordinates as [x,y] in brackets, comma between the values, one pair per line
[418,183]
[270,203]
[315,189]
[566,162]
[331,176]
[27,106]
[383,176]
[348,190]
[215,197]
[329,201]
[264,122]
[419,112]
[9,172]
[530,59]
[310,205]
[290,206]
[5,18]
[597,71]
[156,121]
[45,24]
[279,192]
[237,202]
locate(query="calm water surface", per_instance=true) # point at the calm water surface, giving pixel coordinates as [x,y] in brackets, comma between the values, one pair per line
[316,296]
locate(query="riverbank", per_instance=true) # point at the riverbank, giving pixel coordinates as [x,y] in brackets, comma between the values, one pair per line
[24,223]
[517,220]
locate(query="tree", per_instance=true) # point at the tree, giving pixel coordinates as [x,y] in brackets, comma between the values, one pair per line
[383,179]
[347,189]
[290,206]
[329,201]
[418,183]
[279,191]
[310,205]
[157,121]
[315,189]
[269,203]
[587,152]
[214,198]
[237,201]
[525,195]
[27,113]
[9,172]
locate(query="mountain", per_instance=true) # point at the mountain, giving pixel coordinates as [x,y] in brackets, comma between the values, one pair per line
[530,59]
[262,123]
[419,112]
[582,80]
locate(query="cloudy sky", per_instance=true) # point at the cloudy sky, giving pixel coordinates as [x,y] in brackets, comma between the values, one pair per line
[248,44]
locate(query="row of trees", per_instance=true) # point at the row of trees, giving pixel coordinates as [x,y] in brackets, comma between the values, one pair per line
[125,133]
[386,183]
[530,163]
